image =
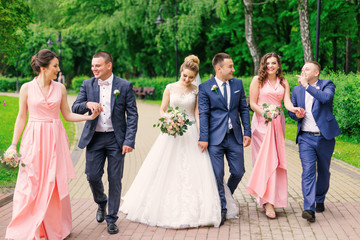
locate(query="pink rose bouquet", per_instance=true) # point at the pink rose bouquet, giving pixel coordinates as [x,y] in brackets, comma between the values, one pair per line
[271,112]
[11,157]
[174,122]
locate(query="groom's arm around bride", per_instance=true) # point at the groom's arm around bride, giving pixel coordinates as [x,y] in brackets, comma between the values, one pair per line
[221,101]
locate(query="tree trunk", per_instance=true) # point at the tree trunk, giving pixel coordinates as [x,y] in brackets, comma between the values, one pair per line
[305,30]
[348,55]
[249,35]
[358,38]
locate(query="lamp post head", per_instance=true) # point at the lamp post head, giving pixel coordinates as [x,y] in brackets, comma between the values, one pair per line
[49,42]
[59,38]
[159,20]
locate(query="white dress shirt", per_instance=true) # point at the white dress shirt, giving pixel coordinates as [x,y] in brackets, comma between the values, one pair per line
[220,84]
[104,122]
[309,124]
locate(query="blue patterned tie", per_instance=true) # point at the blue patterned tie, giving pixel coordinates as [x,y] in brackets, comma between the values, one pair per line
[226,101]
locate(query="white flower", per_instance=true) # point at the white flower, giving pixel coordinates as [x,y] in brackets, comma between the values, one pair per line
[214,88]
[116,92]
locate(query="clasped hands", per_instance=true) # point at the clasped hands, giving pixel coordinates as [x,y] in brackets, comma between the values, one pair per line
[95,108]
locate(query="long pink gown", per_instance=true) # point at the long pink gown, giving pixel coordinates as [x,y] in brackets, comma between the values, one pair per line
[268,179]
[41,205]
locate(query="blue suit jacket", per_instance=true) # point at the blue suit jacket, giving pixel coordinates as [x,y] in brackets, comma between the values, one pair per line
[322,108]
[124,116]
[214,114]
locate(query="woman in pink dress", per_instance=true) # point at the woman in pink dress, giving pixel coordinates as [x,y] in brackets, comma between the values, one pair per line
[268,179]
[41,204]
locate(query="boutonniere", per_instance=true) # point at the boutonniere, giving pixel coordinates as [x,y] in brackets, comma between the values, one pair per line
[116,93]
[214,88]
[317,87]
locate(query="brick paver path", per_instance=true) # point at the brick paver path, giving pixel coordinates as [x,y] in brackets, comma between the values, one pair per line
[341,220]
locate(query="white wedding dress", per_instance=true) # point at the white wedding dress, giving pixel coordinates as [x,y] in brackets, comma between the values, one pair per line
[175,186]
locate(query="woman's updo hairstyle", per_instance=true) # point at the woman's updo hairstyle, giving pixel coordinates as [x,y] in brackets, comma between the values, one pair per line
[191,62]
[42,59]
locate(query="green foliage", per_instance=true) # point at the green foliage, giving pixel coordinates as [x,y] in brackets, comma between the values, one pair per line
[14,19]
[77,81]
[9,84]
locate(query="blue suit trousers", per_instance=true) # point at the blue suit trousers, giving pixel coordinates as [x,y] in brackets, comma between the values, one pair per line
[233,151]
[315,154]
[102,146]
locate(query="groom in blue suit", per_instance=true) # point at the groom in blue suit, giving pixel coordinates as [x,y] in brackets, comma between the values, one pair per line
[317,129]
[111,135]
[221,101]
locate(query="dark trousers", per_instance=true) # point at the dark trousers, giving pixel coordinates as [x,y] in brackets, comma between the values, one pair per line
[102,146]
[234,153]
[315,154]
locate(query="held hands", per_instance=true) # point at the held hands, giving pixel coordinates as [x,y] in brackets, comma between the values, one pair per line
[299,112]
[203,145]
[95,108]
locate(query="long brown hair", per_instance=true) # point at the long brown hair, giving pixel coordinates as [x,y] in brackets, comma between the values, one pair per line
[263,75]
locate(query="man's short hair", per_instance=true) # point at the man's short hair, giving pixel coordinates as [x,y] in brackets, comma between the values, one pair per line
[105,55]
[316,64]
[219,59]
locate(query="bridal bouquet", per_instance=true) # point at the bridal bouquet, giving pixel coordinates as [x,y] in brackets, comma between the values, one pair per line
[11,157]
[174,122]
[271,112]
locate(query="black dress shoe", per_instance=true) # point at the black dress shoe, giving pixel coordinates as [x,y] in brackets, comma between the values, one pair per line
[100,214]
[112,228]
[319,207]
[308,215]
[223,218]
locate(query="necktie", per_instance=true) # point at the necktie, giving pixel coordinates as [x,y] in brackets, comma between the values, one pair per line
[225,93]
[101,83]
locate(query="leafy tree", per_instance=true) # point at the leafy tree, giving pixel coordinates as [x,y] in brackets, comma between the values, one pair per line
[14,18]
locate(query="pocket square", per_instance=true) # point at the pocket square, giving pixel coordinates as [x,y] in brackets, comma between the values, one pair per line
[237,91]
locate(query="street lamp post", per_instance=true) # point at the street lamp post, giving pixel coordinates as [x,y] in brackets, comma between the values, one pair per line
[160,20]
[50,43]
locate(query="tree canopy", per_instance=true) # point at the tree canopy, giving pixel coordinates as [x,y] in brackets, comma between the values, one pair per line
[127,29]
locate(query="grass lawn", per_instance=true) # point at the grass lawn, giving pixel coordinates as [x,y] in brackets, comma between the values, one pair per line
[8,115]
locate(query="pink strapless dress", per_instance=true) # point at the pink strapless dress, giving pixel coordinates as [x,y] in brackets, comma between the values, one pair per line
[41,205]
[268,179]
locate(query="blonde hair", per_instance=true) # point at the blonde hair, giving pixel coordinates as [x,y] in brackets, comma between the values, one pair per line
[191,62]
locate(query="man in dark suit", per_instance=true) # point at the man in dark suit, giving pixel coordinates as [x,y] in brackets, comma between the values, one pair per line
[317,129]
[221,101]
[111,135]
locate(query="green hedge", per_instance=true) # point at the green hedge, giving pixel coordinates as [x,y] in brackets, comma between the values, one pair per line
[9,84]
[77,81]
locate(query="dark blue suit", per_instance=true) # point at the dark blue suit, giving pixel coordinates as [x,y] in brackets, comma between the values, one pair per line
[316,151]
[214,116]
[124,118]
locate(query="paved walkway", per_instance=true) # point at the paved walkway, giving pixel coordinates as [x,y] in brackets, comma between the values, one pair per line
[341,220]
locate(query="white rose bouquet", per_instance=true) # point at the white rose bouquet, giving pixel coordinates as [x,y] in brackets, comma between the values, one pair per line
[174,122]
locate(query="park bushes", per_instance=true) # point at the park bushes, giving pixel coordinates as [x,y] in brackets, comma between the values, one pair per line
[9,84]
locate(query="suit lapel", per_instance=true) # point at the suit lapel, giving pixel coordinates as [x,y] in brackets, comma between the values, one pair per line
[302,97]
[115,85]
[231,84]
[96,90]
[218,96]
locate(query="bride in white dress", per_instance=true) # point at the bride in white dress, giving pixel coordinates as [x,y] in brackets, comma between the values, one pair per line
[175,186]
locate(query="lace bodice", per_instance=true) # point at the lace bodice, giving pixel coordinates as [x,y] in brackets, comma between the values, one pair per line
[183,97]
